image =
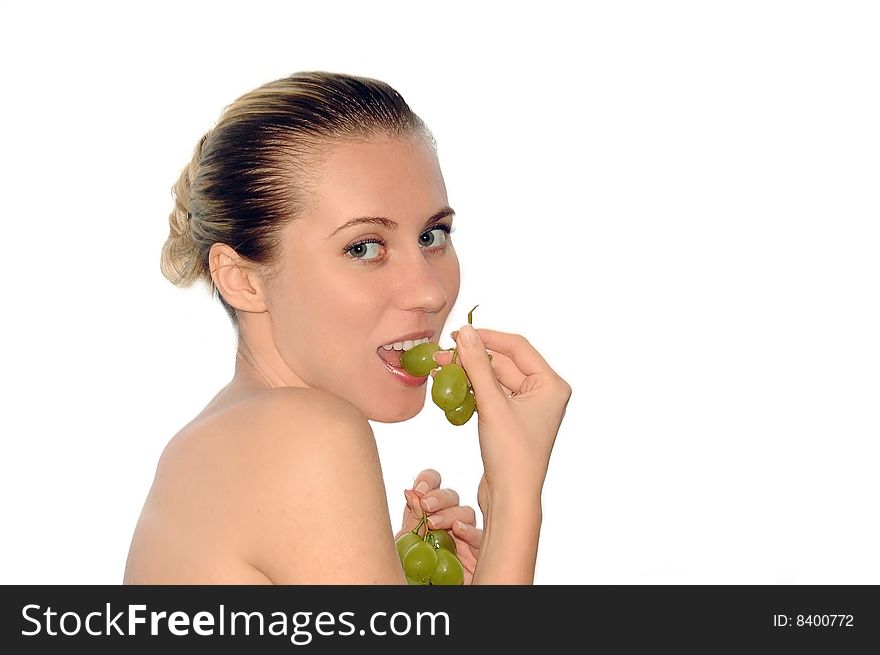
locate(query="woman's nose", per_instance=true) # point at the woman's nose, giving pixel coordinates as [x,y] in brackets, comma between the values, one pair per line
[421,285]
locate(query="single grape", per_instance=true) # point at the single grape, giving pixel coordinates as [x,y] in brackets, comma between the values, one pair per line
[450,387]
[462,414]
[419,360]
[419,561]
[448,571]
[404,542]
[440,539]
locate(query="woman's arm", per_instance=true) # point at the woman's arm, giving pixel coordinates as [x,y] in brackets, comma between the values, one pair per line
[511,527]
[521,402]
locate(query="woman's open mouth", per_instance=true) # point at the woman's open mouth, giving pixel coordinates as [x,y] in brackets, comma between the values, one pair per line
[390,356]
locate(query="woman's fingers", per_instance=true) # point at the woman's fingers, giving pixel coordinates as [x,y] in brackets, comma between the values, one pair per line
[439,499]
[412,513]
[442,508]
[517,347]
[426,480]
[475,360]
[468,533]
[507,372]
[445,519]
[443,357]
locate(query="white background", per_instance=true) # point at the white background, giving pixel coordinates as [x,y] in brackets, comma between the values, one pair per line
[676,202]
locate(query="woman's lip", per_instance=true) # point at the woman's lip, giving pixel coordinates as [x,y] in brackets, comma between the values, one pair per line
[403,376]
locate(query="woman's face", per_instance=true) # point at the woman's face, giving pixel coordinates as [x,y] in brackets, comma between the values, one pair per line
[369,263]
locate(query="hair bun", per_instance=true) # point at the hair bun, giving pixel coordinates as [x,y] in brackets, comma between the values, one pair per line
[179,262]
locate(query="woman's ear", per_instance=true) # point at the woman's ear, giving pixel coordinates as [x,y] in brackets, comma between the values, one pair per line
[237,279]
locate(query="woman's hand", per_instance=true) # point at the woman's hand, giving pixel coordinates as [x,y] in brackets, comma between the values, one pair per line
[444,513]
[520,405]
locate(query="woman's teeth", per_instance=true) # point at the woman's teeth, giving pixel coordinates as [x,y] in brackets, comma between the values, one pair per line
[405,345]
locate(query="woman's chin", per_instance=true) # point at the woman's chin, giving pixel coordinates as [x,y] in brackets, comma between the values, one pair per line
[395,414]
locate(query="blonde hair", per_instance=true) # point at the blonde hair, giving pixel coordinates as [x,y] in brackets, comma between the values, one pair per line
[248,177]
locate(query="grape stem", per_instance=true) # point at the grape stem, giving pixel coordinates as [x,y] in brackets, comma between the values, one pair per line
[470,322]
[423,521]
[454,351]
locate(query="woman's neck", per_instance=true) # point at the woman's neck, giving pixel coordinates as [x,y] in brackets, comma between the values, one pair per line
[258,359]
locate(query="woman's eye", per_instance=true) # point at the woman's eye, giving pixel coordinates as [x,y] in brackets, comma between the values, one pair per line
[372,250]
[435,238]
[365,250]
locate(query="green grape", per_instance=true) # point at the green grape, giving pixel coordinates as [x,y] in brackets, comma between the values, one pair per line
[404,542]
[450,387]
[420,359]
[410,581]
[462,414]
[448,571]
[419,561]
[440,539]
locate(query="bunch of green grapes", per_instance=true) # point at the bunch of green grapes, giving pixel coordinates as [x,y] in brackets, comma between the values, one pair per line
[452,391]
[429,559]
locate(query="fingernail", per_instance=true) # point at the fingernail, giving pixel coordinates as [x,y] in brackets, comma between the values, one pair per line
[434,356]
[468,335]
[461,527]
[422,487]
[434,520]
[429,503]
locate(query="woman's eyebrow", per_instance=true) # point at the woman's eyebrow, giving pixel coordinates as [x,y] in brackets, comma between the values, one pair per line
[376,220]
[443,212]
[388,223]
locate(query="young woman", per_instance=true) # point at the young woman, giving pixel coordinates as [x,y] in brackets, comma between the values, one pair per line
[317,211]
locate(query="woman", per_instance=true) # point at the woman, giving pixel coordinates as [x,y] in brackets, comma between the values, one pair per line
[317,211]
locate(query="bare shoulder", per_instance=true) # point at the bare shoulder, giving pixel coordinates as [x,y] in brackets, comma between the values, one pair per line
[287,411]
[290,430]
[312,479]
[276,480]
[271,426]
[288,436]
